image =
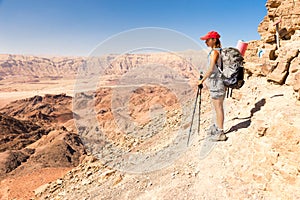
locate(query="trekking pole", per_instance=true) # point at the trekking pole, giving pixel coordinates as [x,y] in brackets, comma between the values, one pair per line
[193,117]
[198,92]
[200,86]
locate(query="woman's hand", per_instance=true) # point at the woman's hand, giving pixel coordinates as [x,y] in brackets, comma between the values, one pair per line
[200,82]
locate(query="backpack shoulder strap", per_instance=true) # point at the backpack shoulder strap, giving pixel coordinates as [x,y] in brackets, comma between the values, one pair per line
[220,68]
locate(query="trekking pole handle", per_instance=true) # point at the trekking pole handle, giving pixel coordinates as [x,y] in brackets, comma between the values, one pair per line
[200,78]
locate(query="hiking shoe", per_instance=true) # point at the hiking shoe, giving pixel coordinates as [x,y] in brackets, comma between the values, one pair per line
[219,135]
[212,130]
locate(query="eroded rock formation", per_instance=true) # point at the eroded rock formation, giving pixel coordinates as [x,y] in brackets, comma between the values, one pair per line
[265,58]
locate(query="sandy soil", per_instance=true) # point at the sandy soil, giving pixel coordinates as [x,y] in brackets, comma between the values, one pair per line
[22,186]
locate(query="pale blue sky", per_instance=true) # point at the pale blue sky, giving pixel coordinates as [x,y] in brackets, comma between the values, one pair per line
[75,27]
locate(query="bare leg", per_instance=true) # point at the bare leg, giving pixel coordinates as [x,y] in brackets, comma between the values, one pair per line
[219,109]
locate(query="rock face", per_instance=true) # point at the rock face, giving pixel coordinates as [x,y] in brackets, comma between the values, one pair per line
[16,134]
[187,63]
[264,58]
[33,67]
[286,10]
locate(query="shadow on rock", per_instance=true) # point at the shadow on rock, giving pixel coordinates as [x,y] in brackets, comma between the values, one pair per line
[245,124]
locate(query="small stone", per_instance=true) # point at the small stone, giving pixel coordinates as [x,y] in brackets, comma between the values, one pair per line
[86,182]
[173,175]
[41,189]
[149,184]
[107,173]
[261,131]
[89,173]
[63,193]
[59,181]
[262,187]
[196,173]
[118,180]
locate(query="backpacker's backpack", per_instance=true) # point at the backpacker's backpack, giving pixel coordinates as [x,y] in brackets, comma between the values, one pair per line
[232,68]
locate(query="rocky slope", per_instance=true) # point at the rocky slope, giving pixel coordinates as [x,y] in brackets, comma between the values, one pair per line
[259,160]
[39,134]
[266,165]
[47,110]
[13,131]
[34,140]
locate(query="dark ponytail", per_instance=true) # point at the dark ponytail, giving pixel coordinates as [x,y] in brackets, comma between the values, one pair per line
[218,43]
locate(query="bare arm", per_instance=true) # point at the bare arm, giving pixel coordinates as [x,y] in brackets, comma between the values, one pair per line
[213,60]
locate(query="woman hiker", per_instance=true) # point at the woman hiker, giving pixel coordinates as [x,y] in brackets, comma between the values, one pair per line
[215,85]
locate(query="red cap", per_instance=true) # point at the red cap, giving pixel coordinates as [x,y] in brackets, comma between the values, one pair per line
[211,34]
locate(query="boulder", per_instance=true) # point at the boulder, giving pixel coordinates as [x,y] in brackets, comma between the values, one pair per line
[279,74]
[296,84]
[286,56]
[267,68]
[293,70]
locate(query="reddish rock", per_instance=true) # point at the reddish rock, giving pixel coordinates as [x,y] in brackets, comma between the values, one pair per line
[42,110]
[17,134]
[33,139]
